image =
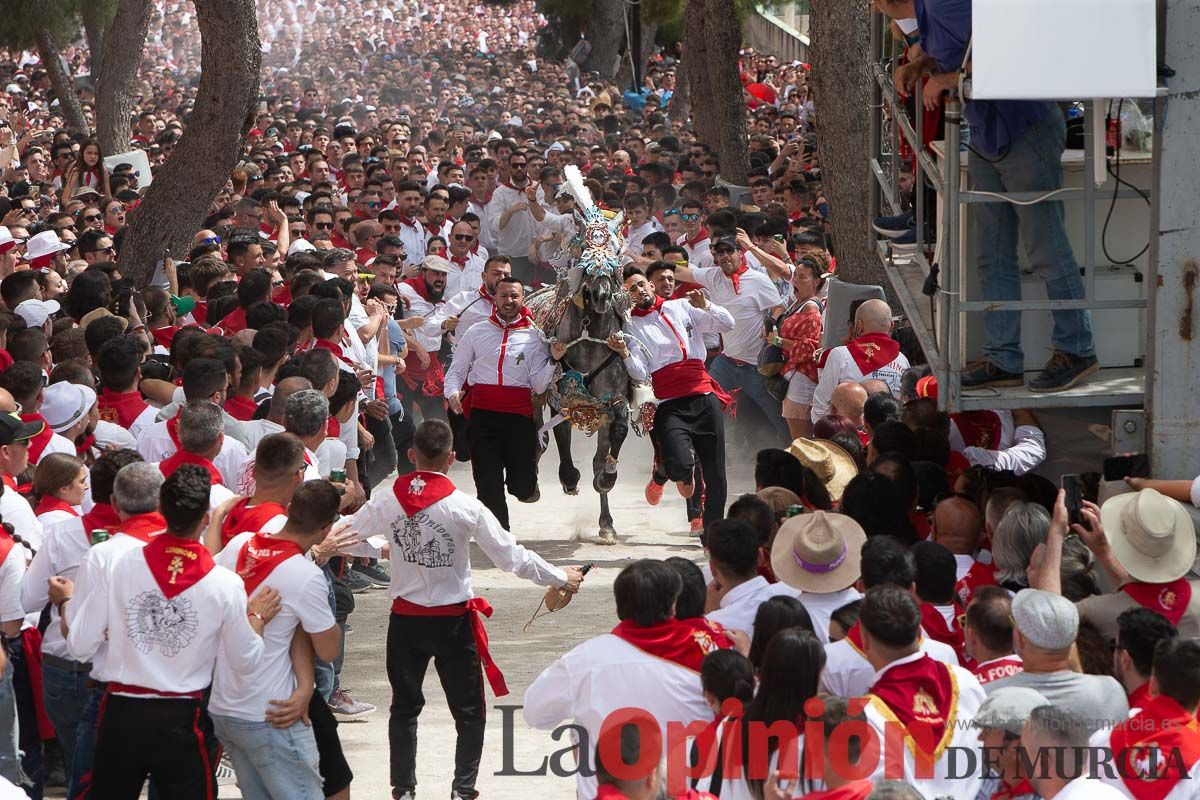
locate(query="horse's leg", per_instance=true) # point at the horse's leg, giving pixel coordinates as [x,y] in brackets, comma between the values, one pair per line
[608,449]
[568,475]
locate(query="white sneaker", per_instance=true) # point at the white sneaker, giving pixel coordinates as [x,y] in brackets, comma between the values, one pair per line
[343,705]
[225,774]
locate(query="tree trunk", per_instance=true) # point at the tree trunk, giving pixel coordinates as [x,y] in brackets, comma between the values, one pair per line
[606,33]
[840,36]
[62,82]
[680,107]
[93,30]
[625,71]
[695,63]
[183,189]
[117,74]
[723,34]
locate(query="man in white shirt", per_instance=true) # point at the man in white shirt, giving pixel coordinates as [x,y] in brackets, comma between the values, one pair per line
[23,380]
[688,424]
[465,309]
[508,215]
[1059,740]
[466,264]
[163,612]
[748,295]
[15,435]
[928,699]
[412,232]
[848,672]
[732,549]
[279,758]
[434,612]
[871,354]
[423,377]
[201,432]
[650,662]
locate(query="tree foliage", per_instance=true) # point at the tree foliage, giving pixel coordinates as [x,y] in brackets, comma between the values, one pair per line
[23,18]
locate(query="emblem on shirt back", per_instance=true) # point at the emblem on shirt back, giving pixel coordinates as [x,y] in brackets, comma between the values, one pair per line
[924,705]
[417,485]
[1167,598]
[154,621]
[407,535]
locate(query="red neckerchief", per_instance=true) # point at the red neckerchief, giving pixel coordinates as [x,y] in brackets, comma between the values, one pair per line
[333,347]
[700,237]
[418,490]
[181,457]
[997,668]
[334,429]
[936,627]
[176,564]
[855,790]
[234,321]
[461,262]
[979,428]
[51,503]
[6,545]
[143,527]
[364,254]
[736,277]
[419,286]
[524,319]
[922,696]
[38,443]
[261,555]
[82,447]
[681,641]
[1165,725]
[872,351]
[200,312]
[606,791]
[638,311]
[164,335]
[978,576]
[920,522]
[243,517]
[510,185]
[434,230]
[121,408]
[1169,599]
[1021,789]
[102,515]
[241,408]
[407,221]
[6,360]
[1140,696]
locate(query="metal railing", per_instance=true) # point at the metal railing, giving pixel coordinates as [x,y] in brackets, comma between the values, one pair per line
[939,329]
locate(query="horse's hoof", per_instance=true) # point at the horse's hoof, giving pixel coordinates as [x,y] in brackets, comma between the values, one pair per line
[533,498]
[570,490]
[608,536]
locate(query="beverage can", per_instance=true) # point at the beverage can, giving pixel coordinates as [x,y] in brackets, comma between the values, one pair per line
[100,535]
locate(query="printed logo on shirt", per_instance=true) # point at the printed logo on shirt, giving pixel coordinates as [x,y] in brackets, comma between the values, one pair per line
[437,551]
[155,621]
[417,486]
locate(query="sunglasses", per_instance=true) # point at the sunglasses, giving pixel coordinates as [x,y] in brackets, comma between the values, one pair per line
[723,249]
[277,284]
[211,240]
[463,237]
[690,217]
[323,226]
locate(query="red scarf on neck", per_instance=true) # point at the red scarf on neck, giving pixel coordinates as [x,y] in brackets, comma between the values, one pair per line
[1140,696]
[524,319]
[184,457]
[241,408]
[1174,733]
[417,282]
[978,576]
[645,312]
[736,276]
[234,321]
[51,503]
[176,564]
[872,351]
[260,556]
[173,431]
[681,641]
[335,348]
[1169,599]
[102,516]
[143,527]
[979,428]
[164,336]
[37,444]
[936,627]
[922,696]
[855,790]
[418,490]
[243,517]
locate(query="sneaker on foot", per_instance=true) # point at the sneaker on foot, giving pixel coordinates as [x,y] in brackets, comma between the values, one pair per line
[906,242]
[224,773]
[373,573]
[686,490]
[357,582]
[697,526]
[653,492]
[891,227]
[343,705]
[1063,371]
[985,372]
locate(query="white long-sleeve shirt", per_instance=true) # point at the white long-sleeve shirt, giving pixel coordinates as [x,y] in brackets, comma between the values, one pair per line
[465,276]
[1027,451]
[740,604]
[159,644]
[430,563]
[605,674]
[304,602]
[17,512]
[470,307]
[512,239]
[675,332]
[64,544]
[414,236]
[428,335]
[514,354]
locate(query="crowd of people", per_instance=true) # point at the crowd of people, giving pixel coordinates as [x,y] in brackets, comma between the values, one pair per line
[201,471]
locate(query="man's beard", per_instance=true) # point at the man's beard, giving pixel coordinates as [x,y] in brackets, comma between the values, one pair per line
[435,295]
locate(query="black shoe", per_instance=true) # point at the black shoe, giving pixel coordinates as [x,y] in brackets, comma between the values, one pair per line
[984,372]
[374,573]
[1063,371]
[357,583]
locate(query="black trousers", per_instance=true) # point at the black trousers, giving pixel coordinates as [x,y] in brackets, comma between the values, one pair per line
[695,503]
[503,453]
[161,739]
[690,432]
[411,643]
[462,445]
[335,770]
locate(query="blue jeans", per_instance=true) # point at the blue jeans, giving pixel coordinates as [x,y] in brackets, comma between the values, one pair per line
[752,401]
[10,758]
[271,762]
[326,677]
[1033,164]
[66,694]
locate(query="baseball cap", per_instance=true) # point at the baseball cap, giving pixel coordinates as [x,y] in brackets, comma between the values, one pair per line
[1049,621]
[14,429]
[65,404]
[36,312]
[725,238]
[1008,709]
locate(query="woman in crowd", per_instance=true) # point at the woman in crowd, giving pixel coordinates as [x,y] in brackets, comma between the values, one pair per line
[800,338]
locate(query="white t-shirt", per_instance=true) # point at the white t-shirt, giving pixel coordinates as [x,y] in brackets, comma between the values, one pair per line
[749,304]
[304,600]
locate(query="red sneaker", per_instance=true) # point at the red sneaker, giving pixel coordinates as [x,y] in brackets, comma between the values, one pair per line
[686,490]
[653,492]
[697,526]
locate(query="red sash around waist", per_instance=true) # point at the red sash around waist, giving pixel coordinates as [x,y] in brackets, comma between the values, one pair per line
[476,607]
[684,379]
[504,399]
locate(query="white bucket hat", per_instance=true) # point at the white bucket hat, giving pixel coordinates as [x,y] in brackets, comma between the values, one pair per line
[1151,535]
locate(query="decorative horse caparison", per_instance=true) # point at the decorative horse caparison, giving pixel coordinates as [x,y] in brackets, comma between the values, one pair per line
[587,305]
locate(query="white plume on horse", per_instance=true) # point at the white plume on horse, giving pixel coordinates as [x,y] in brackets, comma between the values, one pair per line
[575,185]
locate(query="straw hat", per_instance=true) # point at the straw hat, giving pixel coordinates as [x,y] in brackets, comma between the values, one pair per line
[1150,534]
[819,552]
[832,464]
